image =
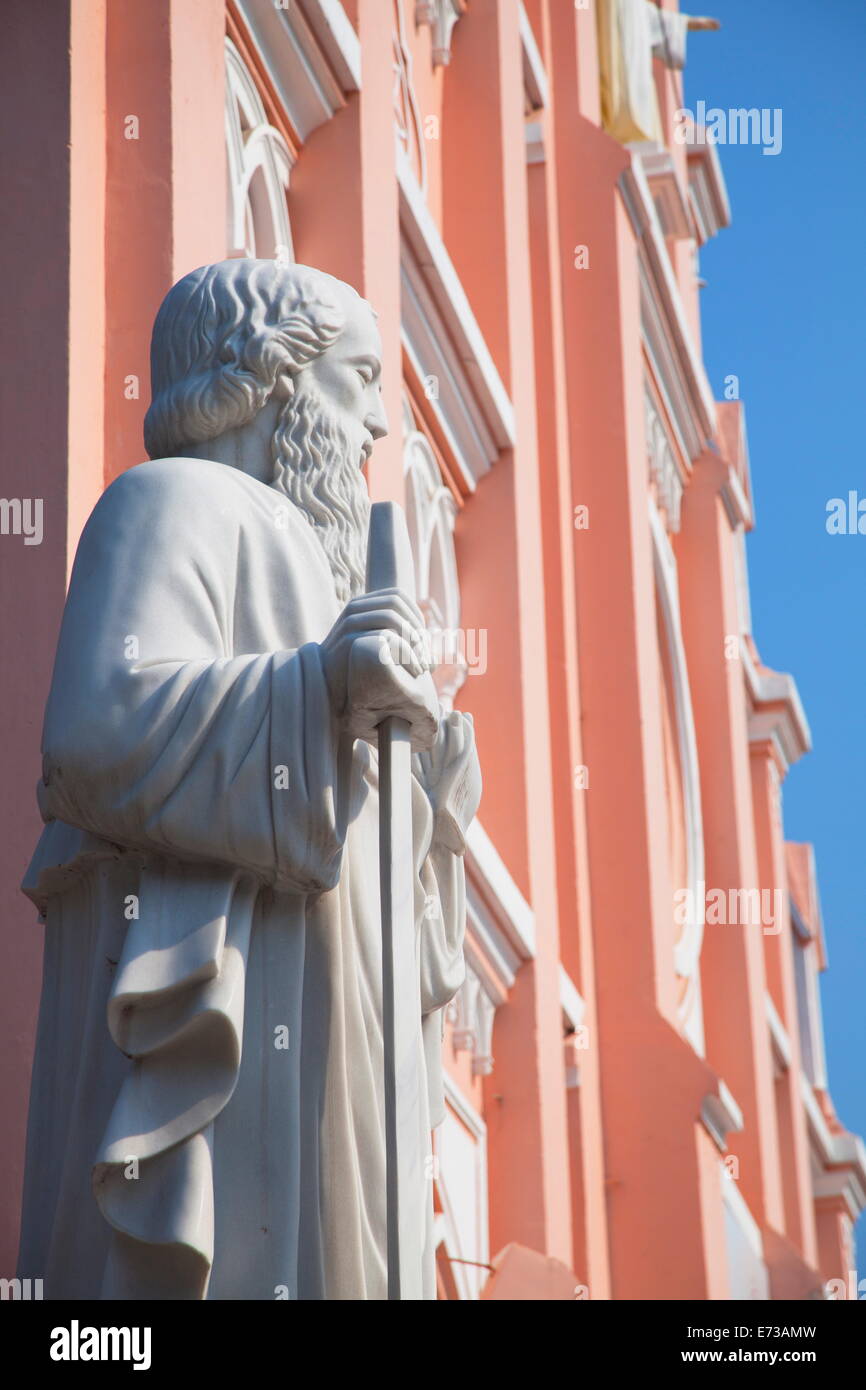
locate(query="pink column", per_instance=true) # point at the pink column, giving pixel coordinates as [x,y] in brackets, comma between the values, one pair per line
[569,795]
[652,1082]
[345,219]
[485,227]
[732,962]
[778,954]
[165,212]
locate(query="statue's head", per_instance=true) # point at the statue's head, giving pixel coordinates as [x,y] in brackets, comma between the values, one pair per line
[242,337]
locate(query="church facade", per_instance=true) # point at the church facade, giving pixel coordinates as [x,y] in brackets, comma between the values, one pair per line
[637,1102]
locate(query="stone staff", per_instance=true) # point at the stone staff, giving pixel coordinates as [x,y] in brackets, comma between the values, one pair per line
[390,566]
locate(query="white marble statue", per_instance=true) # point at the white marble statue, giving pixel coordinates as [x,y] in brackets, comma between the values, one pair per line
[206,1114]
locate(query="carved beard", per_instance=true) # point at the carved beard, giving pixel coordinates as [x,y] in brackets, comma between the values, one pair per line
[317,467]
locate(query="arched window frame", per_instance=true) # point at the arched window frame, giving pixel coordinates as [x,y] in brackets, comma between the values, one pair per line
[259,164]
[431,514]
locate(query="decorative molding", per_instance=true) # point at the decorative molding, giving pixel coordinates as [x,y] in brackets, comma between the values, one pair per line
[734,446]
[662,463]
[779,1038]
[500,936]
[721,1115]
[573,1009]
[737,1205]
[678,372]
[571,1002]
[841,1156]
[535,86]
[467,1280]
[708,196]
[431,513]
[444,344]
[310,53]
[661,175]
[407,117]
[471,1012]
[776,715]
[687,952]
[441,16]
[258,164]
[497,888]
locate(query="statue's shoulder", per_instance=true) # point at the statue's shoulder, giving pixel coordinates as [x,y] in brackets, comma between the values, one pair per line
[176,479]
[179,490]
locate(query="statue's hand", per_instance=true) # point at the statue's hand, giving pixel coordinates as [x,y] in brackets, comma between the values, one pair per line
[451,776]
[376,662]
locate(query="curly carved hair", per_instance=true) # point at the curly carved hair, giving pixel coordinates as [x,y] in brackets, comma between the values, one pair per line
[223,336]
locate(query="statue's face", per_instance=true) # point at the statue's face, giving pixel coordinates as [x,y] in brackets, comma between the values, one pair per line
[324,433]
[349,377]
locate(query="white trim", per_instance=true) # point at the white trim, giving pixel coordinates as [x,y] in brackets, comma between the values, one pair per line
[661,173]
[513,912]
[443,340]
[842,1156]
[786,727]
[677,367]
[260,152]
[708,196]
[734,1199]
[721,1115]
[339,42]
[687,952]
[442,16]
[778,1034]
[464,1109]
[572,1003]
[736,502]
[472,1121]
[311,54]
[534,138]
[534,75]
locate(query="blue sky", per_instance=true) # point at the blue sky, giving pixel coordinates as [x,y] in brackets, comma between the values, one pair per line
[785,310]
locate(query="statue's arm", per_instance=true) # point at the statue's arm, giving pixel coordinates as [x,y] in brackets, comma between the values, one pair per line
[155,736]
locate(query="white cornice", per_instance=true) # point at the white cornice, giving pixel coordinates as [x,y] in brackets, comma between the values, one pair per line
[311,54]
[735,501]
[777,712]
[711,210]
[842,1157]
[658,165]
[677,368]
[444,343]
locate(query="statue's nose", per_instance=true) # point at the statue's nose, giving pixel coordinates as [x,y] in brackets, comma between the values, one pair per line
[377,421]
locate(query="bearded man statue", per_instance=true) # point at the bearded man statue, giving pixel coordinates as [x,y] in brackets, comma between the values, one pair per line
[206,1115]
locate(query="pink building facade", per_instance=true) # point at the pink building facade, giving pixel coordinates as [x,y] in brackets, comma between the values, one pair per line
[638,1105]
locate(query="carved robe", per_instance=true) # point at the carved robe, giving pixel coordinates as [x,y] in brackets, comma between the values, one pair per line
[206,1113]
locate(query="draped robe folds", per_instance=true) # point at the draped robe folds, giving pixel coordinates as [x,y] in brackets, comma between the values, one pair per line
[206,1115]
